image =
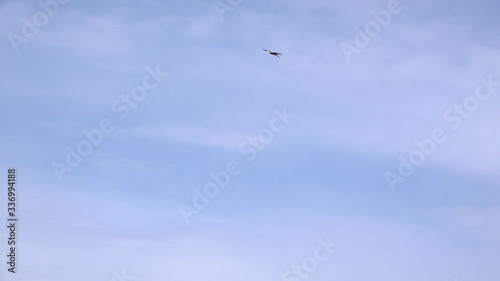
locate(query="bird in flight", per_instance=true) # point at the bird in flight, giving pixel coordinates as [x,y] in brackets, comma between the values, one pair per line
[273,53]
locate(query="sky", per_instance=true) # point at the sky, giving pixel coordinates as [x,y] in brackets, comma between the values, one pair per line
[156,140]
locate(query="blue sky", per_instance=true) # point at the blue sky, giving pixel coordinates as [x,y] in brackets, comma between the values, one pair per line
[323,175]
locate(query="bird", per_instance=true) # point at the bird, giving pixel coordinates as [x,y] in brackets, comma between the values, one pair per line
[276,54]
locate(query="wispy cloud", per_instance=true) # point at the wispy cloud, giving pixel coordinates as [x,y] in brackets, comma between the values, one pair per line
[322,177]
[186,134]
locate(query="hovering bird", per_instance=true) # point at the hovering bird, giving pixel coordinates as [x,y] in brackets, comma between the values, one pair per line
[276,54]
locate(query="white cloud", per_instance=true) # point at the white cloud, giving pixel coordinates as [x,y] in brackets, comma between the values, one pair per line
[11,14]
[193,135]
[90,35]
